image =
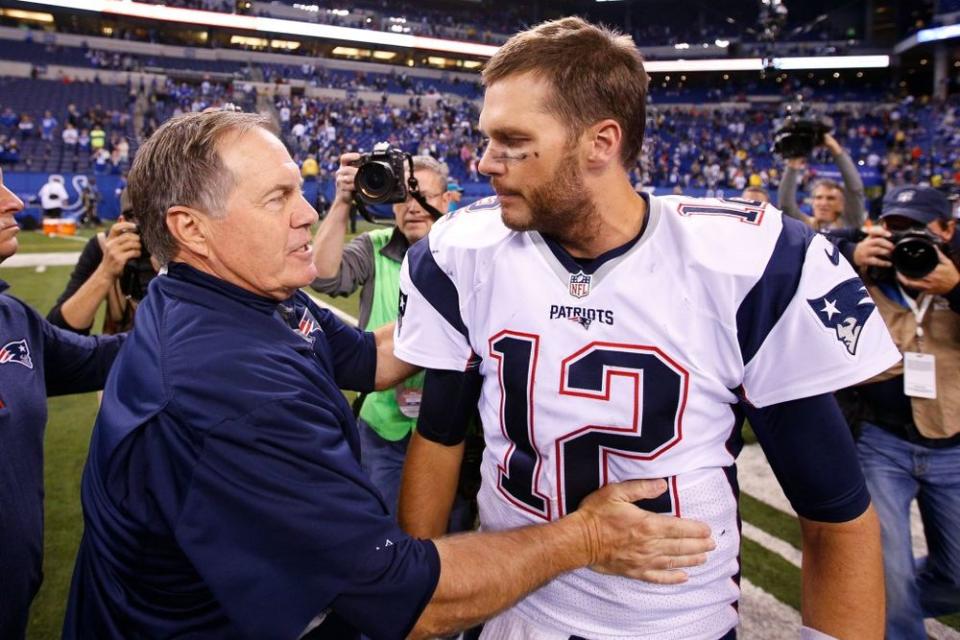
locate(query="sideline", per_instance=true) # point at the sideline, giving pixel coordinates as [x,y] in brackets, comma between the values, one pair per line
[58,259]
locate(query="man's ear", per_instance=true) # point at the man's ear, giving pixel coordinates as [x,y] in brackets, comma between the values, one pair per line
[190,229]
[949,228]
[605,139]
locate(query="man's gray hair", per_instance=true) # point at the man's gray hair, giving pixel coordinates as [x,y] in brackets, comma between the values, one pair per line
[181,165]
[429,163]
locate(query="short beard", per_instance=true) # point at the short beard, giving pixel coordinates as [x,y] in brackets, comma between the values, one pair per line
[562,208]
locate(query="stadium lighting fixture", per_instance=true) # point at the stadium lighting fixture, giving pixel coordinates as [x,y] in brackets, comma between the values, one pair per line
[270,25]
[938,33]
[279,26]
[832,62]
[756,64]
[30,16]
[934,34]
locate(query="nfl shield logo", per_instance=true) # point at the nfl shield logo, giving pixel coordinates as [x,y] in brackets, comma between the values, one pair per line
[580,284]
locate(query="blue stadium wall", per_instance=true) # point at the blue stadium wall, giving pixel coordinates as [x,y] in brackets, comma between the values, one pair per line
[26,184]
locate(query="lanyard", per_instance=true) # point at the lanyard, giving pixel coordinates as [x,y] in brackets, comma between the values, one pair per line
[919,311]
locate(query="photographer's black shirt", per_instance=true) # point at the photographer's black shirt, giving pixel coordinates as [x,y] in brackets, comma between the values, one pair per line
[89,260]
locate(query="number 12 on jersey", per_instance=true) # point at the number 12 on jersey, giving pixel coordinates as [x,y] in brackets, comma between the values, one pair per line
[583,452]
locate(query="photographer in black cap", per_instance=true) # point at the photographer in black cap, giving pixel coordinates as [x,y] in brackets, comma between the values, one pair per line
[909,416]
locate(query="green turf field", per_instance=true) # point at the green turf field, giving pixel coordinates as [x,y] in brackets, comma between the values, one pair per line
[36,242]
[68,433]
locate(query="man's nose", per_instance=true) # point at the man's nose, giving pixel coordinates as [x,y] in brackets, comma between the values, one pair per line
[487,165]
[304,215]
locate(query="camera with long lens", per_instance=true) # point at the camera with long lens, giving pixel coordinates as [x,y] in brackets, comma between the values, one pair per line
[138,272]
[800,132]
[380,175]
[915,252]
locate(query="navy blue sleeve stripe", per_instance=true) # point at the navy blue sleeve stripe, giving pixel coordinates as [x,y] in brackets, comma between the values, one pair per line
[769,297]
[435,285]
[812,453]
[449,401]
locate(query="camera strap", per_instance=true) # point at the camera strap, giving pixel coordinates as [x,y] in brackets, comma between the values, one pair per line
[413,185]
[919,310]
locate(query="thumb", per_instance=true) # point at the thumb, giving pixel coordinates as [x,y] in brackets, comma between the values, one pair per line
[635,490]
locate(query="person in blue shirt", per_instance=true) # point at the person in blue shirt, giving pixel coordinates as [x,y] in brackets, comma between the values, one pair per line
[36,360]
[223,495]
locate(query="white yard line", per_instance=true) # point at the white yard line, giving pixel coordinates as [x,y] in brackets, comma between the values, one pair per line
[757,479]
[66,258]
[771,543]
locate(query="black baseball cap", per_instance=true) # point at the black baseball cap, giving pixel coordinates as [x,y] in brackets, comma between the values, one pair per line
[921,204]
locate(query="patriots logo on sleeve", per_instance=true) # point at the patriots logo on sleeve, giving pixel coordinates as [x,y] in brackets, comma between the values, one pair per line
[845,309]
[18,352]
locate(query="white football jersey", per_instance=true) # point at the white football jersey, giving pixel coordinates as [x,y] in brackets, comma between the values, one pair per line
[629,367]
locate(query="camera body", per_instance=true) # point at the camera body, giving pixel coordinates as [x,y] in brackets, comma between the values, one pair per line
[914,253]
[138,272]
[800,132]
[380,175]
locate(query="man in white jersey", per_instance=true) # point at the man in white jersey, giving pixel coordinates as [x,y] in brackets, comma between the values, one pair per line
[606,334]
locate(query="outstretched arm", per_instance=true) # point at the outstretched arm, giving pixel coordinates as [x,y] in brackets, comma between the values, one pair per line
[430,474]
[484,573]
[328,241]
[812,453]
[431,470]
[391,370]
[843,593]
[787,192]
[853,192]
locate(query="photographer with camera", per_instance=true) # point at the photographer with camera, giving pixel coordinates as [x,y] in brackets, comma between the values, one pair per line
[372,261]
[834,207]
[89,202]
[909,416]
[113,267]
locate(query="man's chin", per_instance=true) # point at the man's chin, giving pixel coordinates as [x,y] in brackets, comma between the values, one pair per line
[302,278]
[516,217]
[8,248]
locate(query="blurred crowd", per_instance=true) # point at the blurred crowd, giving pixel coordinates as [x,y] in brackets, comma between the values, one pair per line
[687,147]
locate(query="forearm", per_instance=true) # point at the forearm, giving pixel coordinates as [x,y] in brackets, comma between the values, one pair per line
[428,487]
[854,194]
[843,593]
[787,194]
[484,573]
[390,369]
[328,242]
[79,310]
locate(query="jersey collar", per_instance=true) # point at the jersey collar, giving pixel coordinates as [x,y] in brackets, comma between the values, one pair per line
[185,273]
